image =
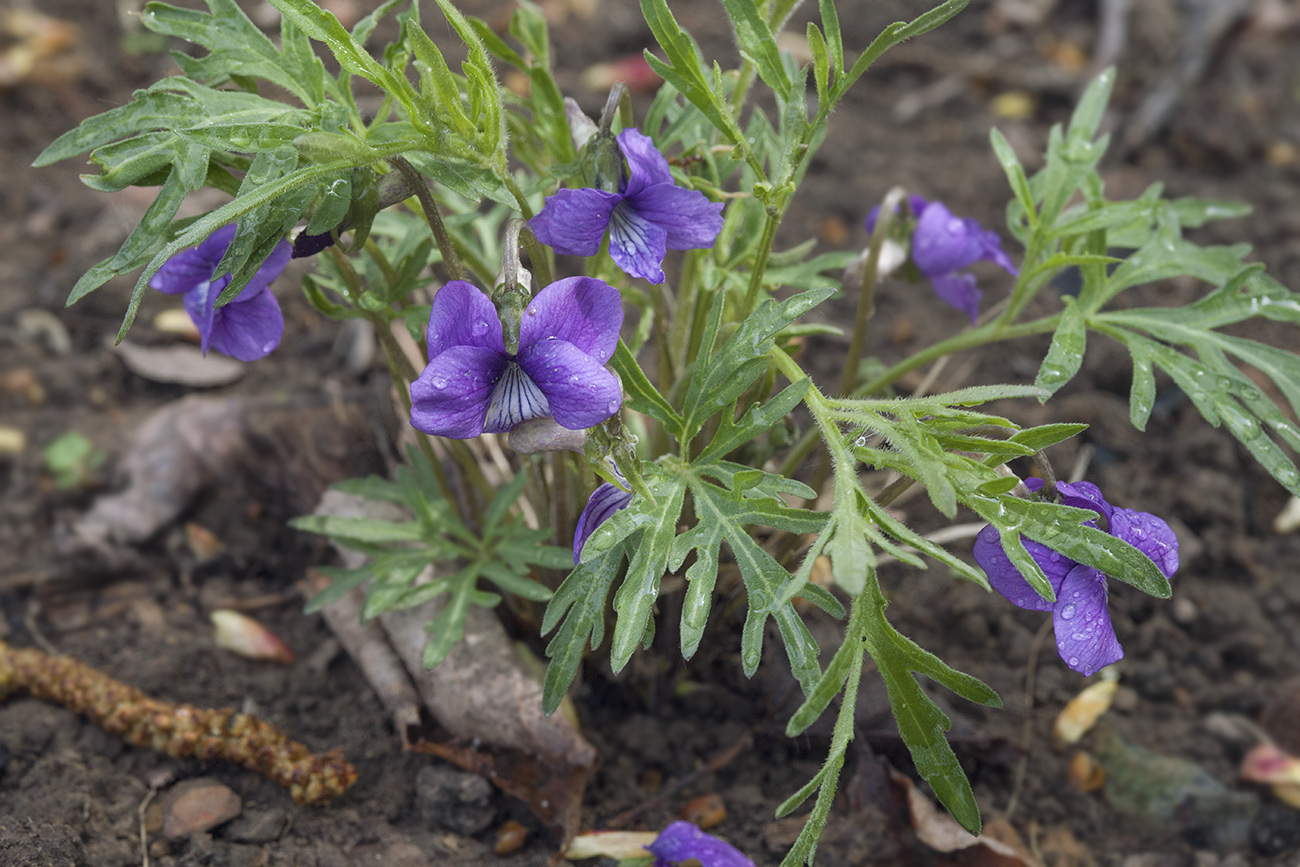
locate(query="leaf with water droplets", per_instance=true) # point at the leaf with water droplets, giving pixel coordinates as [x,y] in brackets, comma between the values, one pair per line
[1065,355]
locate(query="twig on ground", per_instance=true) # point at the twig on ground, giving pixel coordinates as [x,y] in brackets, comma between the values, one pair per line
[176,729]
[721,760]
[144,832]
[1026,732]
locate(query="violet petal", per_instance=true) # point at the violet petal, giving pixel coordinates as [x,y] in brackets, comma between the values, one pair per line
[573,222]
[461,315]
[646,165]
[690,220]
[943,243]
[637,245]
[580,392]
[1006,579]
[189,268]
[1150,535]
[515,400]
[605,501]
[1080,495]
[1085,637]
[681,841]
[450,398]
[248,328]
[959,291]
[583,311]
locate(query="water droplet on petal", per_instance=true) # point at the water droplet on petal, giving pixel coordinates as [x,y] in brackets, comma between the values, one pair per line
[480,328]
[1067,611]
[1074,660]
[439,382]
[613,406]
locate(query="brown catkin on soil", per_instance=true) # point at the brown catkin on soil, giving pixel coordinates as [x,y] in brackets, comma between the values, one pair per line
[176,729]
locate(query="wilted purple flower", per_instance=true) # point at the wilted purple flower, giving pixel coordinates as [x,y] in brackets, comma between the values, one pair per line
[605,501]
[943,244]
[648,216]
[1085,637]
[472,385]
[682,841]
[250,326]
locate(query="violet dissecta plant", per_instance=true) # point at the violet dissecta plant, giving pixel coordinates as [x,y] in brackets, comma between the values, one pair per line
[247,328]
[604,502]
[472,385]
[681,842]
[943,244]
[1085,636]
[648,216]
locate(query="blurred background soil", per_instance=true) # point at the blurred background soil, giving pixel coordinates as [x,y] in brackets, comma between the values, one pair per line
[1207,102]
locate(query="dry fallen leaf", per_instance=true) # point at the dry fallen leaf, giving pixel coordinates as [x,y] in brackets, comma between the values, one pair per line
[481,693]
[180,365]
[1085,773]
[610,844]
[243,635]
[1266,763]
[941,833]
[1081,713]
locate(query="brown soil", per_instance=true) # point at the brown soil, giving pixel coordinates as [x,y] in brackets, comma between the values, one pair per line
[1226,645]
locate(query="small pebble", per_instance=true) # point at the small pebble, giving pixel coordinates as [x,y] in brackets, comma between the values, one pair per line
[705,811]
[197,805]
[510,837]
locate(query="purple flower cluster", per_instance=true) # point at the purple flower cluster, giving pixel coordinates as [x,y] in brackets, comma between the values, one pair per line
[944,244]
[250,326]
[648,216]
[472,385]
[1085,636]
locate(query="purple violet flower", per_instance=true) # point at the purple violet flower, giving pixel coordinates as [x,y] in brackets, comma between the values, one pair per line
[250,326]
[605,501]
[682,841]
[472,385]
[1085,637]
[943,244]
[648,216]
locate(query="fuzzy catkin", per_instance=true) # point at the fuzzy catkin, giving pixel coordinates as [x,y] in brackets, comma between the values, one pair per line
[176,729]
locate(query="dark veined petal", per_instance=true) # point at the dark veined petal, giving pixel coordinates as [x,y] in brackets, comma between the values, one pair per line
[188,268]
[1006,578]
[461,315]
[1150,535]
[960,291]
[682,841]
[451,396]
[573,222]
[646,165]
[605,501]
[690,220]
[943,243]
[1085,637]
[581,310]
[580,391]
[637,245]
[515,399]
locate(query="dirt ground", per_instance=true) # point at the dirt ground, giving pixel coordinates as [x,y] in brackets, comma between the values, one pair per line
[1221,652]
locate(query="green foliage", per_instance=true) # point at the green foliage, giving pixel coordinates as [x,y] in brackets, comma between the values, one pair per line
[722,420]
[72,459]
[505,551]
